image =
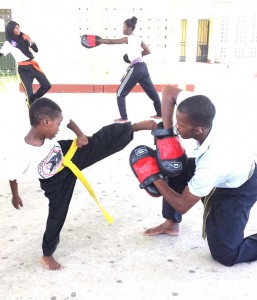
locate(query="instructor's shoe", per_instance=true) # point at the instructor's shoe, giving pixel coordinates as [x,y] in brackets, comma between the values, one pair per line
[156,117]
[120,120]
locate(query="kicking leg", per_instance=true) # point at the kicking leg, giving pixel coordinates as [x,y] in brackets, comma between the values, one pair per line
[44,85]
[144,125]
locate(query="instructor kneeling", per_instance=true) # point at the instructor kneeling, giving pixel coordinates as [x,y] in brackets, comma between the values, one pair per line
[223,175]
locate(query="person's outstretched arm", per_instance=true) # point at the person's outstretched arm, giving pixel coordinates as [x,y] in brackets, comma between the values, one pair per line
[82,139]
[169,98]
[16,199]
[123,40]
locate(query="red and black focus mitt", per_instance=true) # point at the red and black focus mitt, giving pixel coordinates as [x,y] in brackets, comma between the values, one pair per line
[90,41]
[170,153]
[144,165]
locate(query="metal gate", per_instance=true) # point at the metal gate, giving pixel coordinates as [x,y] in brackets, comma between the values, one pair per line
[202,40]
[7,63]
[183,38]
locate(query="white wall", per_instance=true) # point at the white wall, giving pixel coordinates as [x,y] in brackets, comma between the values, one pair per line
[56,26]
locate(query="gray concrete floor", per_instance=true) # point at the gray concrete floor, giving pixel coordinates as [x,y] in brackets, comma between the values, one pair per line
[116,262]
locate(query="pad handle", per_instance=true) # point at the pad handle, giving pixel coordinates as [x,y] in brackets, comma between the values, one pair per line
[160,132]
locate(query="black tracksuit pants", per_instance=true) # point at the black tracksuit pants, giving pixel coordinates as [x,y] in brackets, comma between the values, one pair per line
[59,188]
[137,73]
[27,74]
[227,219]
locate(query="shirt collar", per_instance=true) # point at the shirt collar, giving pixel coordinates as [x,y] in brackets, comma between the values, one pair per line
[201,149]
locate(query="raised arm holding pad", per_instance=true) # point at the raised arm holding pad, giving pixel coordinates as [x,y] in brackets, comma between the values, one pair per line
[170,153]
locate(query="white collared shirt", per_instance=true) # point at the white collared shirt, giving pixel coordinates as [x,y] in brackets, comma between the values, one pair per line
[223,160]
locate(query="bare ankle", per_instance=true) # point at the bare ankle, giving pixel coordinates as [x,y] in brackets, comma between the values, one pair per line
[168,227]
[170,222]
[144,125]
[50,263]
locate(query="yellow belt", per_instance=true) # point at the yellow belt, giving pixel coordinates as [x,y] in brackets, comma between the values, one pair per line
[76,171]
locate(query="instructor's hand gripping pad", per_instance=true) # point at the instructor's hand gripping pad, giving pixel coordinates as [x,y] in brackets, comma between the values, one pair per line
[170,153]
[144,165]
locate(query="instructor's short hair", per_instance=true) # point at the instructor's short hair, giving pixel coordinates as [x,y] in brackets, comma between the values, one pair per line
[41,108]
[199,108]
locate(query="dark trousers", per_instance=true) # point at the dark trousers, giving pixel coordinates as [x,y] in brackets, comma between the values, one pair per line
[59,188]
[138,73]
[178,184]
[227,219]
[28,74]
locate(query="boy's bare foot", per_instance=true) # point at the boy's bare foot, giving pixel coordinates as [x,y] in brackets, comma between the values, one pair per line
[156,117]
[50,263]
[144,125]
[168,227]
[120,120]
